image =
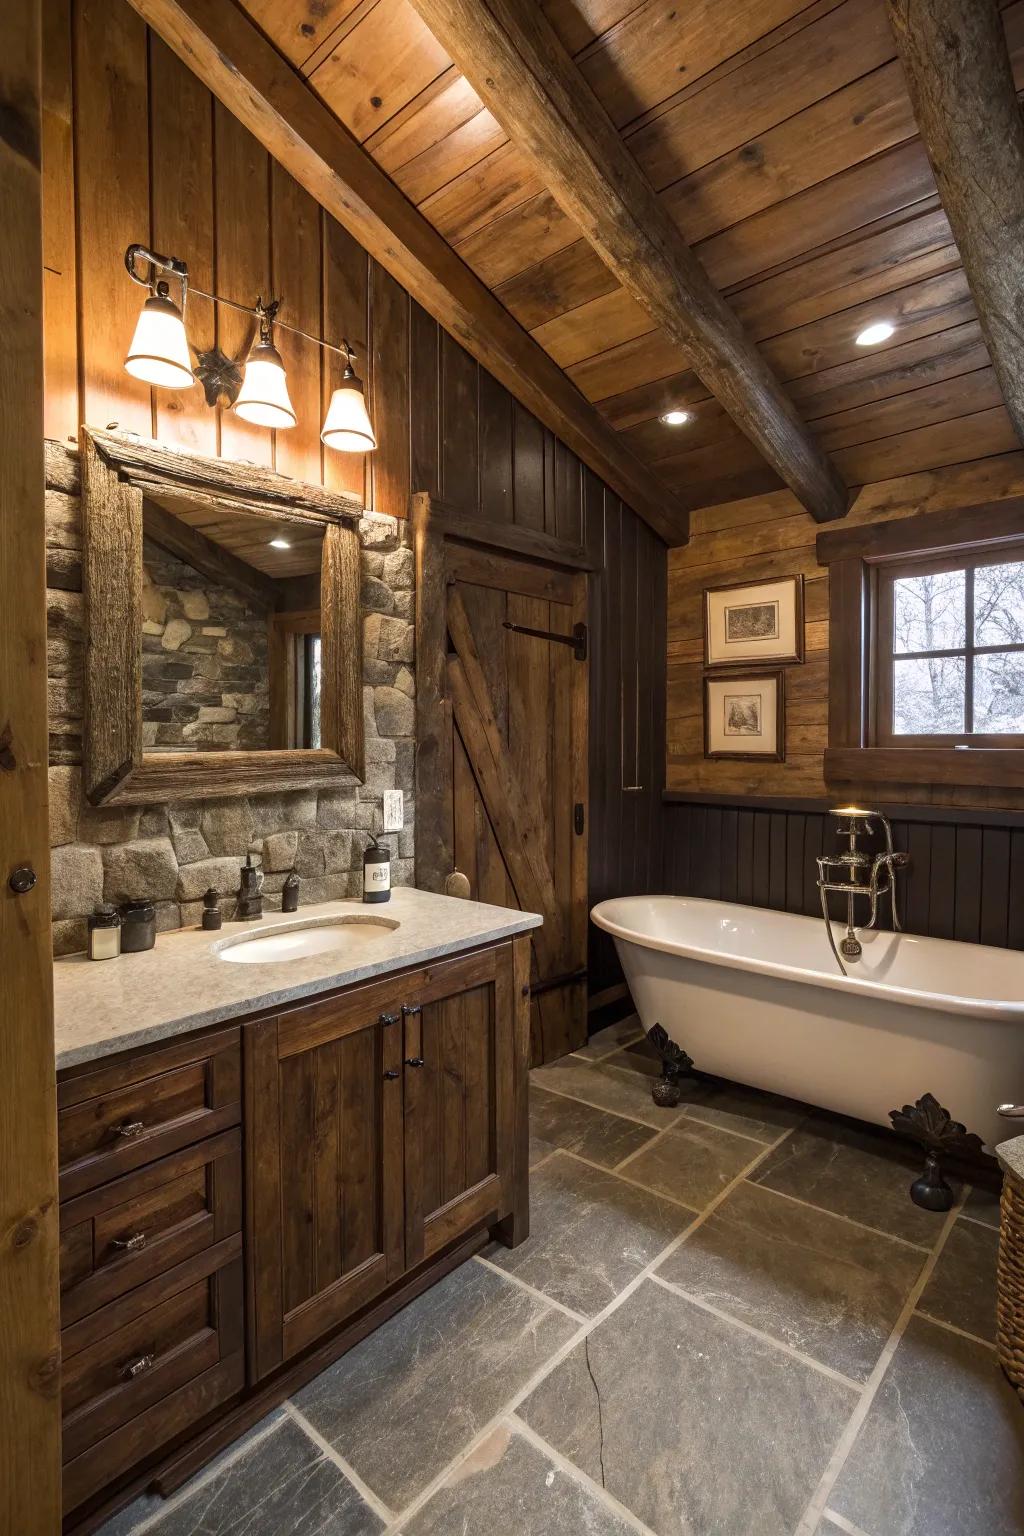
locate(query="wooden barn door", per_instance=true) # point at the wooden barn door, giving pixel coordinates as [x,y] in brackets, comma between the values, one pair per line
[502,724]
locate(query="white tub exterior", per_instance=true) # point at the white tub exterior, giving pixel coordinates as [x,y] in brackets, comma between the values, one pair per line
[756,996]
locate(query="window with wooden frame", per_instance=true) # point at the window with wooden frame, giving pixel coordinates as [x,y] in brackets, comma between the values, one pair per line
[926,648]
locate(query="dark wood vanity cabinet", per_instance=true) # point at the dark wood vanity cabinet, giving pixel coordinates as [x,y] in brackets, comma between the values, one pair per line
[233,1202]
[379,1130]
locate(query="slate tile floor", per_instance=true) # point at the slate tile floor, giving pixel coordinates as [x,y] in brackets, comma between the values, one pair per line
[728,1321]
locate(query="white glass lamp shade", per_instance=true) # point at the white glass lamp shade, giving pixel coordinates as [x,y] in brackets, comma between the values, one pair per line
[263,397]
[347,425]
[159,350]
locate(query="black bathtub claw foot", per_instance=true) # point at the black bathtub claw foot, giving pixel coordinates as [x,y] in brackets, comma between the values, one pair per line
[929,1123]
[667,1091]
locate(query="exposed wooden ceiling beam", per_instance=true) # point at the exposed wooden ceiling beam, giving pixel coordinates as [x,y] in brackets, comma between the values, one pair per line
[961,84]
[234,60]
[512,57]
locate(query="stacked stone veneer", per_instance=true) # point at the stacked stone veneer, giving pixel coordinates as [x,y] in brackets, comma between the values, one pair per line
[172,853]
[205,683]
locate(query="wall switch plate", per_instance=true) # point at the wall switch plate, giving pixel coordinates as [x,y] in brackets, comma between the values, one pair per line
[394,810]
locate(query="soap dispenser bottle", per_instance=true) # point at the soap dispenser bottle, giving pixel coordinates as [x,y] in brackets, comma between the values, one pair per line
[377,871]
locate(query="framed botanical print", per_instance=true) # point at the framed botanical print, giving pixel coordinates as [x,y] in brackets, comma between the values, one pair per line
[745,715]
[753,622]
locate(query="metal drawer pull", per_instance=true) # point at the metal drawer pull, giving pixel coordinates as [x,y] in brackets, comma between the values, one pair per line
[130,1128]
[391,1074]
[137,1367]
[129,1244]
[409,1010]
[414,1061]
[388,1018]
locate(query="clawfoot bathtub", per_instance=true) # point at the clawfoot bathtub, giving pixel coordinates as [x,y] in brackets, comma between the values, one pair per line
[755,996]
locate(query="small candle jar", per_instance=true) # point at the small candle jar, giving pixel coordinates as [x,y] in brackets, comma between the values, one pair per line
[138,926]
[105,933]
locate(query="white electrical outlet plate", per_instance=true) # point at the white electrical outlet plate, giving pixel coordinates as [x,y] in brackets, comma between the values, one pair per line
[394,810]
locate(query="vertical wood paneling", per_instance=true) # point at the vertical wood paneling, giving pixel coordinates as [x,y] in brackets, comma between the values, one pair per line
[424,393]
[242,184]
[296,279]
[495,437]
[389,309]
[963,882]
[181,113]
[459,442]
[112,191]
[60,309]
[345,317]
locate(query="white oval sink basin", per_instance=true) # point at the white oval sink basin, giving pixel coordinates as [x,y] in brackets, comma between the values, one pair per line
[348,936]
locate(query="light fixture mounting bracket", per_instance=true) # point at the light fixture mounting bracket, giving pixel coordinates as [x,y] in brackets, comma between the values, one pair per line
[220,376]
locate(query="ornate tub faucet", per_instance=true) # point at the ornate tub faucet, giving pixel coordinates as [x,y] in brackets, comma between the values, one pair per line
[856,873]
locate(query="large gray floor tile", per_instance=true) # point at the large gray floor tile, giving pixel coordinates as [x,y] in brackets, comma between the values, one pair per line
[590,1234]
[962,1287]
[611,1039]
[748,1111]
[695,1425]
[558,1122]
[284,1482]
[941,1452]
[818,1283]
[508,1485]
[407,1399]
[692,1162]
[606,1086]
[148,1505]
[983,1205]
[858,1171]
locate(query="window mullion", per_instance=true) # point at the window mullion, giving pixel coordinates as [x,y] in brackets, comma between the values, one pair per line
[969,650]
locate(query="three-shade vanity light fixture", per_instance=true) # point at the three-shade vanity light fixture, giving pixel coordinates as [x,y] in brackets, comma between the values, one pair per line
[159,354]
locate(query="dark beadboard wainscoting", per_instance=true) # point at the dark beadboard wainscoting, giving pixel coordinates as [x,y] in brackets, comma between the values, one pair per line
[965,880]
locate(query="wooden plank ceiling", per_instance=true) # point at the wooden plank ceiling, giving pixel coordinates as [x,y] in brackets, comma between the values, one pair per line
[780,136]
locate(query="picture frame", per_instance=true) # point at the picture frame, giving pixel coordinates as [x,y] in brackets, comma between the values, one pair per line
[749,622]
[745,716]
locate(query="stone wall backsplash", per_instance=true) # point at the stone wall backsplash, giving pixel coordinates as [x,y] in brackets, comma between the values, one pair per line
[172,853]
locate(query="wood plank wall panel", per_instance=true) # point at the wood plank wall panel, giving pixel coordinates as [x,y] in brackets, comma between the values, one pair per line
[168,165]
[965,880]
[764,536]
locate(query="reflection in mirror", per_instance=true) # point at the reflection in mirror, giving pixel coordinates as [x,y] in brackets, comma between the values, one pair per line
[231,629]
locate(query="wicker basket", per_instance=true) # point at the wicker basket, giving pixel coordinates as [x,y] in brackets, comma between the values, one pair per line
[1010,1280]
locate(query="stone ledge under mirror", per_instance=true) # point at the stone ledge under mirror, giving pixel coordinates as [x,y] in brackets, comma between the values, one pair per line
[217,662]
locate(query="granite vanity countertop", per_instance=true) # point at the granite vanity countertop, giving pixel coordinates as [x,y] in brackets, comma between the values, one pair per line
[101,1007]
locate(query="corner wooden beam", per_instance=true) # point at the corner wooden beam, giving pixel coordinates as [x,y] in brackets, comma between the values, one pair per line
[961,85]
[511,56]
[219,44]
[30,1497]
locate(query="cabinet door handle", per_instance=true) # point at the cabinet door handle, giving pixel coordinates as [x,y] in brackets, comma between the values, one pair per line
[137,1367]
[391,1074]
[409,1010]
[129,1244]
[387,1018]
[414,1061]
[130,1128]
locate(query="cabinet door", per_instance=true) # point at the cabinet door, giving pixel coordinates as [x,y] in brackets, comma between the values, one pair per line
[324,1139]
[458,1099]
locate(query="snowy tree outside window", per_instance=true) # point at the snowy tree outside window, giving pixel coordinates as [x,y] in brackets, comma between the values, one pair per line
[958,651]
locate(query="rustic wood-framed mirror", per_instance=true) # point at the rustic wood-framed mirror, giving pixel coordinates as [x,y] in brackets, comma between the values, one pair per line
[224,636]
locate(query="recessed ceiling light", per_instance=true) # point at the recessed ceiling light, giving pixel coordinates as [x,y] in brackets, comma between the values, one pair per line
[675,418]
[873,334]
[280,544]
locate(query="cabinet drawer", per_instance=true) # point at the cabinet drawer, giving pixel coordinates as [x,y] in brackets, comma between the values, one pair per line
[138,1108]
[135,1227]
[136,1374]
